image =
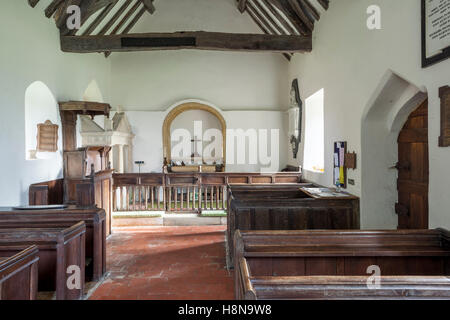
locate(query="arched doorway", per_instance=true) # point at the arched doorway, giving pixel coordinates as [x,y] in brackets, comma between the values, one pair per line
[412,166]
[175,112]
[386,113]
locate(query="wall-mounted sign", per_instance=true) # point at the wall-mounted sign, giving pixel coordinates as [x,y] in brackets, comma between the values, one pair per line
[340,174]
[435,31]
[47,137]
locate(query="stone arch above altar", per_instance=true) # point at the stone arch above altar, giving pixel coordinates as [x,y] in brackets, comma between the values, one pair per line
[196,160]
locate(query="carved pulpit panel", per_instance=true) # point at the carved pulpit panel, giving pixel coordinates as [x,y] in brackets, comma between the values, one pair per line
[444,94]
[47,137]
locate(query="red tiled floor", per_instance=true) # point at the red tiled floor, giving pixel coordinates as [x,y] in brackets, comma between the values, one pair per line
[167,263]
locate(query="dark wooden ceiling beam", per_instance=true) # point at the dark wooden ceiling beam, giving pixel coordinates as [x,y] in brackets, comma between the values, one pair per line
[33,3]
[266,28]
[99,18]
[187,40]
[134,21]
[87,7]
[266,16]
[287,10]
[324,3]
[114,18]
[52,7]
[278,16]
[126,17]
[311,9]
[130,25]
[149,6]
[301,14]
[242,5]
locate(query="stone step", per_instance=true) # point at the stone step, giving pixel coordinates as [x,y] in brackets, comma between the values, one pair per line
[142,219]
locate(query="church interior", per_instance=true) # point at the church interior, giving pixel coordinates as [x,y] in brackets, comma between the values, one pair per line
[225,149]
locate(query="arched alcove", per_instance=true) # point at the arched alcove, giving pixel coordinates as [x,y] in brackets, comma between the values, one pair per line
[93,92]
[388,110]
[40,107]
[187,107]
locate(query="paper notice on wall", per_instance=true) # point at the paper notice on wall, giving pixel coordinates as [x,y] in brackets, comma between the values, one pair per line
[337,178]
[341,157]
[437,23]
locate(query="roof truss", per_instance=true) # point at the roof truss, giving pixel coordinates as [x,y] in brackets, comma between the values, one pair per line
[287,24]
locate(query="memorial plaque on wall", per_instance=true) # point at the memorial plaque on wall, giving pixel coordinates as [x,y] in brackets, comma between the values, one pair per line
[47,137]
[435,31]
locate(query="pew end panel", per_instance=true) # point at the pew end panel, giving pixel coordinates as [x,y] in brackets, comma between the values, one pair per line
[95,237]
[19,275]
[321,264]
[59,249]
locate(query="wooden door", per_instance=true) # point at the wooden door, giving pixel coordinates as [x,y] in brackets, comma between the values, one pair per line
[412,183]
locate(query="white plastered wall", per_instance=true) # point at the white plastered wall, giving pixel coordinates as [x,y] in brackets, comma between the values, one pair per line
[351,62]
[30,52]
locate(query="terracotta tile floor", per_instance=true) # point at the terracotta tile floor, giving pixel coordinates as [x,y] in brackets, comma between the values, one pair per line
[167,263]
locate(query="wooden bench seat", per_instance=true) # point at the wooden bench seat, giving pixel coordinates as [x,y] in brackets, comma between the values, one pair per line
[63,218]
[19,275]
[59,248]
[285,208]
[316,264]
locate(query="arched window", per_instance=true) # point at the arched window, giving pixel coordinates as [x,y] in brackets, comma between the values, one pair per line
[41,118]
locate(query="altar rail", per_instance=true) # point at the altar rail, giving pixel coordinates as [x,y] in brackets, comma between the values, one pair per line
[185,192]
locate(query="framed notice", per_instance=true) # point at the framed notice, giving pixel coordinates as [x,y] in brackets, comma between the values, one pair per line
[47,137]
[339,170]
[435,31]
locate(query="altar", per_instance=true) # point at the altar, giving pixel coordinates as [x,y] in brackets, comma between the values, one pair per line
[194,139]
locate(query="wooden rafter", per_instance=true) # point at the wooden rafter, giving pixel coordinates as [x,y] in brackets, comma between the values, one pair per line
[99,18]
[263,25]
[278,16]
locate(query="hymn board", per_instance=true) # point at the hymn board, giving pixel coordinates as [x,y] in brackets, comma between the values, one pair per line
[435,31]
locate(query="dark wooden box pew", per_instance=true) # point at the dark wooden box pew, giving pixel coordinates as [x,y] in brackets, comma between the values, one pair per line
[19,275]
[264,190]
[285,208]
[94,219]
[319,264]
[59,248]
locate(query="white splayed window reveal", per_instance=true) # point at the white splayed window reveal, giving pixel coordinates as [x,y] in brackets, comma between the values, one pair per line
[41,110]
[314,132]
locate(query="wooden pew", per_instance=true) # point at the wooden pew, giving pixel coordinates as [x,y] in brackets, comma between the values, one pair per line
[19,275]
[285,207]
[59,248]
[316,264]
[94,219]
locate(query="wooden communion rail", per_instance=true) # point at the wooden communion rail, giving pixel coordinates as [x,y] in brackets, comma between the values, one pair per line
[185,192]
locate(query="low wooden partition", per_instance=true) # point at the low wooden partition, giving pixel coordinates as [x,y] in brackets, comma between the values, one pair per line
[186,192]
[96,190]
[19,275]
[94,218]
[317,264]
[285,207]
[138,192]
[59,248]
[47,193]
